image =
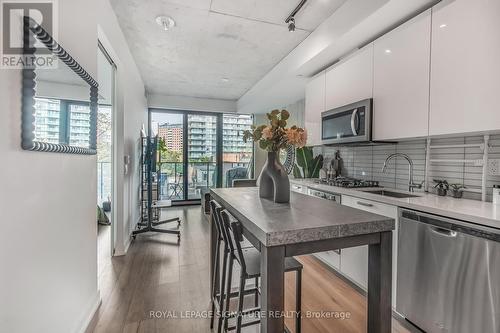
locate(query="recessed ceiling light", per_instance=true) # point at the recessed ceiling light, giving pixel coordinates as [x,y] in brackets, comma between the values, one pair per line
[166,22]
[388,51]
[443,25]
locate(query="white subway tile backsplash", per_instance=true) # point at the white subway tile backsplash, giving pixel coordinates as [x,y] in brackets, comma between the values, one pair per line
[366,162]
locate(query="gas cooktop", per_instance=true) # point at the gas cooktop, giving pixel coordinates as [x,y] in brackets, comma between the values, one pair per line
[347,182]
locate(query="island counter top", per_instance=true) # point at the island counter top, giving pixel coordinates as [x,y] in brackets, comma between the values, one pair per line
[304,219]
[308,225]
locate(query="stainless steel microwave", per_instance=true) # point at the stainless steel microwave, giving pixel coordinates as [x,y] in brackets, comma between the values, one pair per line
[347,124]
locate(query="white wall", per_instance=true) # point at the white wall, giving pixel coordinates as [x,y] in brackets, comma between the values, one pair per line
[191,103]
[48,242]
[62,90]
[48,208]
[131,114]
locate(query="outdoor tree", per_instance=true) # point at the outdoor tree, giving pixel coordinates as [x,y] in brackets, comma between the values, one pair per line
[168,155]
[104,127]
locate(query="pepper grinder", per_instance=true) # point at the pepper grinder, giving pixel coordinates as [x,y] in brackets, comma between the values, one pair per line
[337,164]
[496,194]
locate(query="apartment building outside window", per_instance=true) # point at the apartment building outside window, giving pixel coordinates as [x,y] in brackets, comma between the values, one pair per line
[201,151]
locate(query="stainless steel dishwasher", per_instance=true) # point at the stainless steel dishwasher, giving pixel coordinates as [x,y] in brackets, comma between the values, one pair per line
[448,274]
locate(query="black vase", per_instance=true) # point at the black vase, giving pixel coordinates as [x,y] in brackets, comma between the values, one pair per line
[273,180]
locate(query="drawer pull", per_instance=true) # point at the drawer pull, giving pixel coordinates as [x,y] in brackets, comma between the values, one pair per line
[364,204]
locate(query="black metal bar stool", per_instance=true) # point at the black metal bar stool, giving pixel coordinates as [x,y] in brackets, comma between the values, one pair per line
[249,262]
[218,283]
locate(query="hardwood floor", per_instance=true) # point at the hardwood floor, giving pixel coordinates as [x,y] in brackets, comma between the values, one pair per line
[158,275]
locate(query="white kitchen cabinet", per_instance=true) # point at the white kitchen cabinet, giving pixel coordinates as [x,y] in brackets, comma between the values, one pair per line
[354,265]
[354,260]
[351,79]
[465,67]
[314,105]
[298,188]
[401,80]
[331,258]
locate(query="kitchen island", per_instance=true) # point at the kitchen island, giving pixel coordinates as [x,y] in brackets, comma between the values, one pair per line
[307,225]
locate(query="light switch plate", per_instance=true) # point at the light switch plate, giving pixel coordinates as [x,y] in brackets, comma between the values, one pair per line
[494,167]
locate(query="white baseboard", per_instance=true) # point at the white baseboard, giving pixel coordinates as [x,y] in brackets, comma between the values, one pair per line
[127,244]
[87,316]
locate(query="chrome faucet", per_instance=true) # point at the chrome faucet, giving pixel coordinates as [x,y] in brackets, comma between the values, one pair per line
[411,183]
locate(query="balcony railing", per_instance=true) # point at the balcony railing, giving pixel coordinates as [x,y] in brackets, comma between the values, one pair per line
[200,175]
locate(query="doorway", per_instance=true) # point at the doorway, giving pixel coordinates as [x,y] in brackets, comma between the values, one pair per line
[106,70]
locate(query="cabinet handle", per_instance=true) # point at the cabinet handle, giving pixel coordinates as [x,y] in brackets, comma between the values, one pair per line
[364,204]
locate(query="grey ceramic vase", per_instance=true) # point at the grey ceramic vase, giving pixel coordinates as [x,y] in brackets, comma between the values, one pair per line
[273,180]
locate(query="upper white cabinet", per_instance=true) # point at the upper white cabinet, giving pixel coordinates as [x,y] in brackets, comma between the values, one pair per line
[314,105]
[401,81]
[465,68]
[350,80]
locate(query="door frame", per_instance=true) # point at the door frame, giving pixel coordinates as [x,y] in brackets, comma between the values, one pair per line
[114,204]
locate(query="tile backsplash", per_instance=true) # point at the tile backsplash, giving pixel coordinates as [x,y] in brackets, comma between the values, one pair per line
[366,162]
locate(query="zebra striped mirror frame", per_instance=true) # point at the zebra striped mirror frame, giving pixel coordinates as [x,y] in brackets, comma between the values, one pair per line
[31,28]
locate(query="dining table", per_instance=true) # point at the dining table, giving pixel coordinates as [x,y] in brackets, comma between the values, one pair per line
[307,225]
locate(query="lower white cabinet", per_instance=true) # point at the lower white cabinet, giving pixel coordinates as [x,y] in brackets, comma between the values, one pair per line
[331,258]
[354,260]
[354,265]
[298,188]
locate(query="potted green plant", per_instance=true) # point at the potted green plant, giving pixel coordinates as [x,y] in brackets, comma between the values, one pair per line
[457,190]
[307,165]
[273,180]
[441,186]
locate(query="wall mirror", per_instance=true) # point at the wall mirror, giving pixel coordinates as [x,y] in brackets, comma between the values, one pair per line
[59,102]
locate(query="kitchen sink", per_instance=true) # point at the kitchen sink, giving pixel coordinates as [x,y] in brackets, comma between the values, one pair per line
[392,194]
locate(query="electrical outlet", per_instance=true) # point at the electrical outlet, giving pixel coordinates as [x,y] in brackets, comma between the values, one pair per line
[494,167]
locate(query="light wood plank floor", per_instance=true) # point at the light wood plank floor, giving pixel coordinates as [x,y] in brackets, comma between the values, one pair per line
[157,274]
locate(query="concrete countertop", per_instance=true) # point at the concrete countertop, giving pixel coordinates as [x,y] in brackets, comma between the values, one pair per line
[303,219]
[473,211]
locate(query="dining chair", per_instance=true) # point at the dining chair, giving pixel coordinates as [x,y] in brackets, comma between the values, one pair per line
[218,297]
[249,261]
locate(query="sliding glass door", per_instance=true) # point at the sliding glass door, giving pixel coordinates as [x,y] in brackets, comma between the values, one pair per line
[170,130]
[199,151]
[237,156]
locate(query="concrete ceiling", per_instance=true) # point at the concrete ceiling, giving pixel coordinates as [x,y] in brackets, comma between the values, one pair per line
[349,27]
[213,40]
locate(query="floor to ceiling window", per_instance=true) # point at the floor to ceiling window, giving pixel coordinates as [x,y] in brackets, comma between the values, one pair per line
[170,130]
[202,153]
[237,154]
[200,150]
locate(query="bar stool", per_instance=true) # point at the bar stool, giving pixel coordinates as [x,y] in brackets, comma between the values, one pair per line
[218,298]
[249,262]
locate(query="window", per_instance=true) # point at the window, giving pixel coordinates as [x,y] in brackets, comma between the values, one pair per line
[200,150]
[62,121]
[237,155]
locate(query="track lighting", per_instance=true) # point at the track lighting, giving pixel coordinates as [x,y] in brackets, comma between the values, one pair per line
[291,25]
[290,20]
